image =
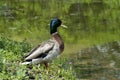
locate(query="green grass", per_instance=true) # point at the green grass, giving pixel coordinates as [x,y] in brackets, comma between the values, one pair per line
[11,55]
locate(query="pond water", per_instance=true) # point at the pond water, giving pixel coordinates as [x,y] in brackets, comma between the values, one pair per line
[100,62]
[24,19]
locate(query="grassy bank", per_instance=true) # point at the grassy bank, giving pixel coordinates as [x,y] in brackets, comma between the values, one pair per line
[11,55]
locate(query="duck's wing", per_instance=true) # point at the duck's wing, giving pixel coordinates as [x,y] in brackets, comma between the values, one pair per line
[40,50]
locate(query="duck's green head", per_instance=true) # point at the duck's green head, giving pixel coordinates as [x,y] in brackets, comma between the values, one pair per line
[54,24]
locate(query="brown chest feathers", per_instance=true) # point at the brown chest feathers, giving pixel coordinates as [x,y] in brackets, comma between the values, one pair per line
[58,38]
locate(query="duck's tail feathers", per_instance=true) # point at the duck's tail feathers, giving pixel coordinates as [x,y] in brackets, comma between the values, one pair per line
[33,61]
[25,63]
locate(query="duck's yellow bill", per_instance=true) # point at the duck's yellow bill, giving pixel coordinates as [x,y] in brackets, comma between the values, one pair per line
[64,26]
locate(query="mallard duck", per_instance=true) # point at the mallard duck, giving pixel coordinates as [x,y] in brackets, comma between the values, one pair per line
[48,50]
